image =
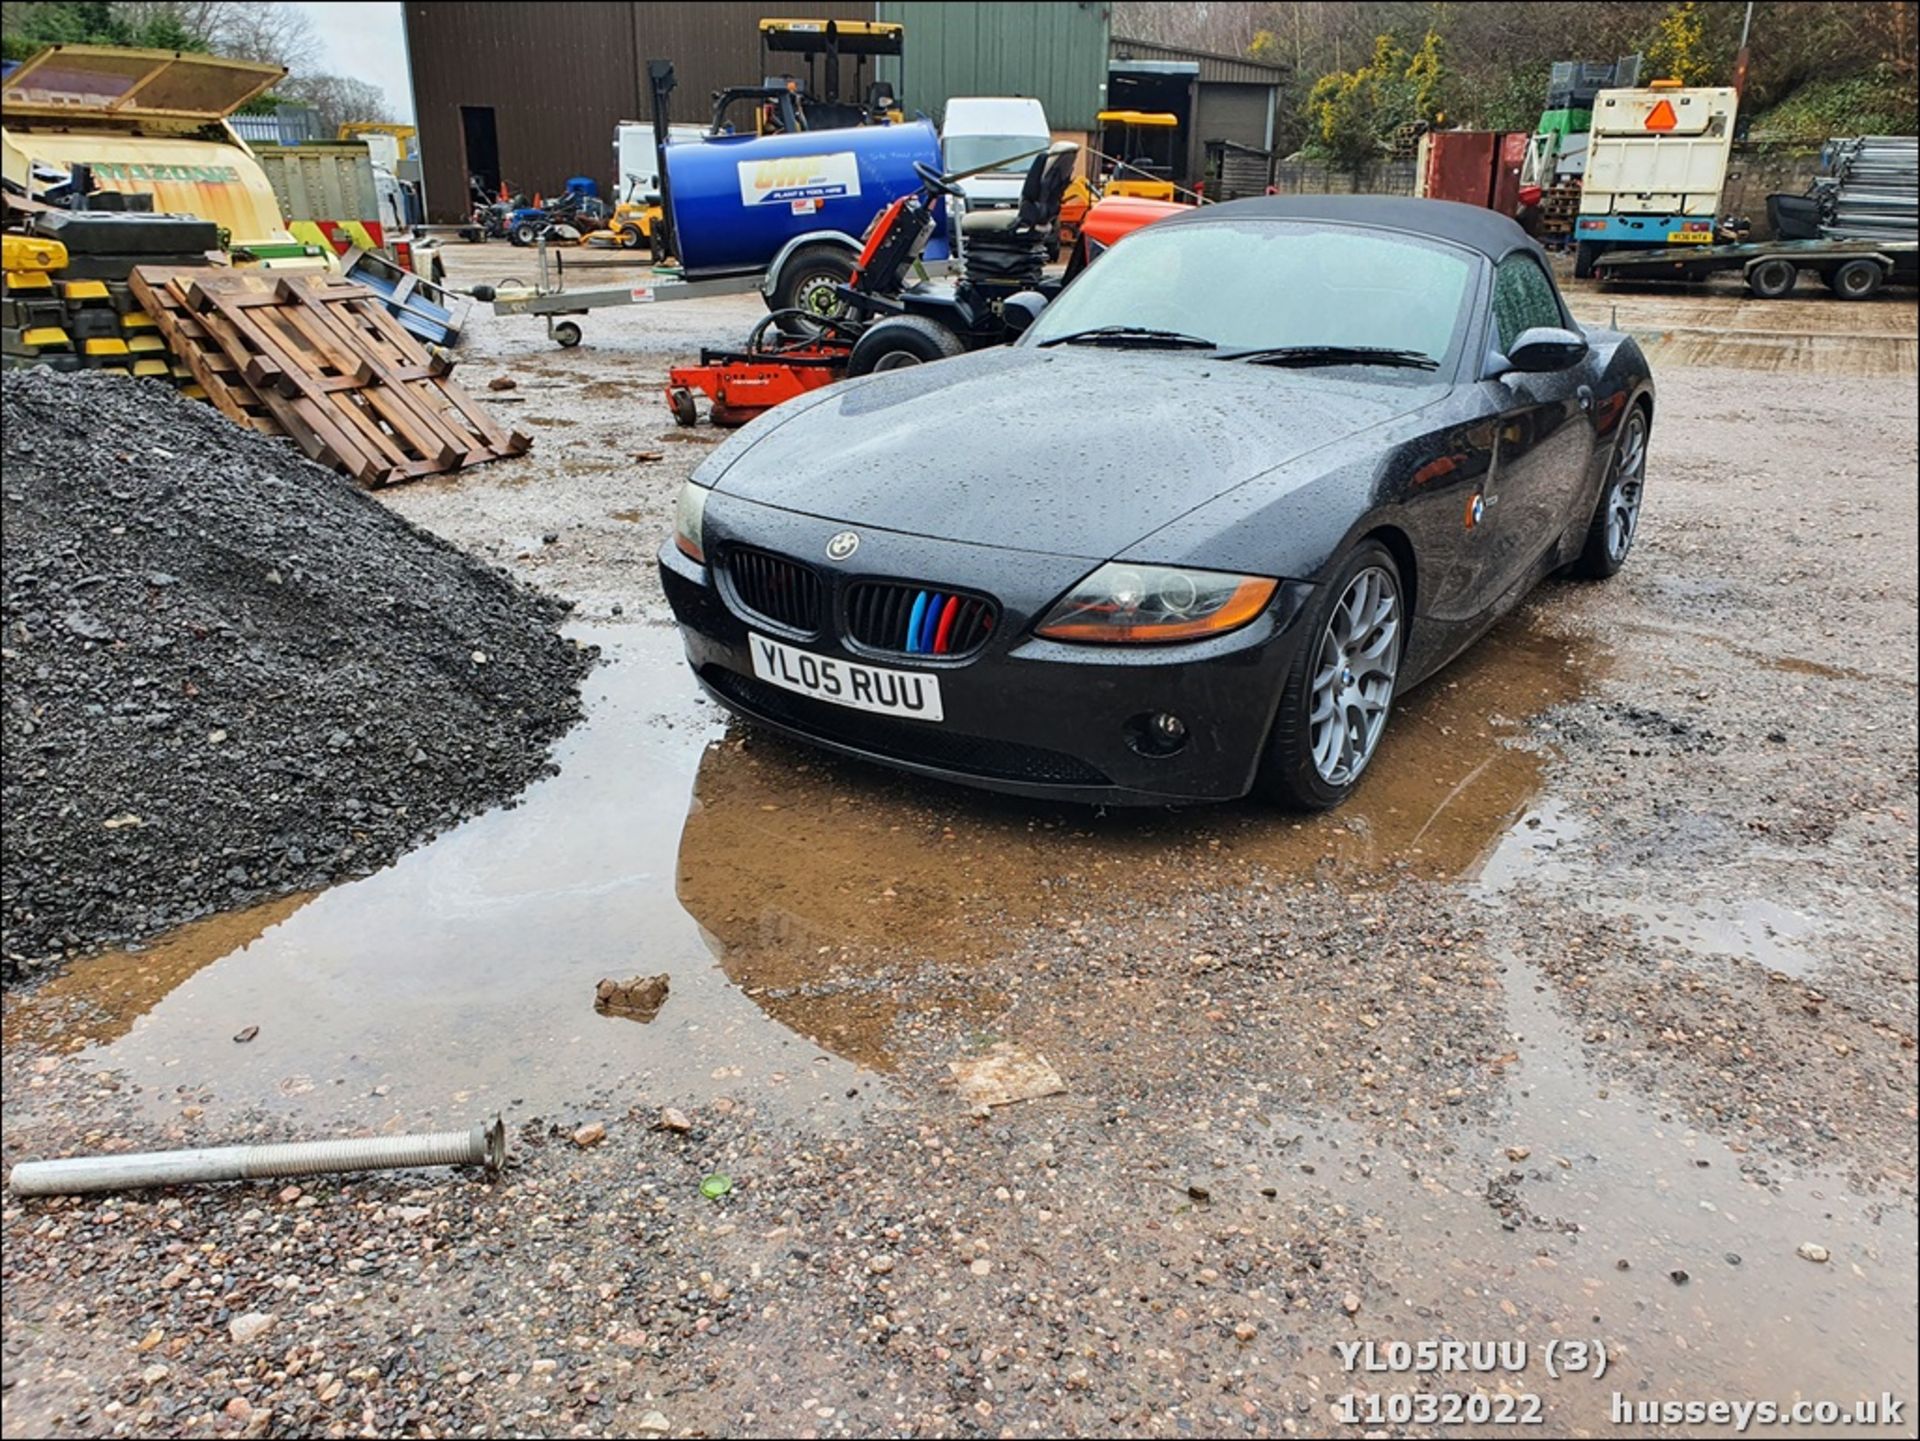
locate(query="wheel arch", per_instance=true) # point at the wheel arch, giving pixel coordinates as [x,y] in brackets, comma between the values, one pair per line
[812,237]
[1400,546]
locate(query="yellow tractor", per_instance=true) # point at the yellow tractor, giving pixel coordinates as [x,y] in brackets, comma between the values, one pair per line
[1142,158]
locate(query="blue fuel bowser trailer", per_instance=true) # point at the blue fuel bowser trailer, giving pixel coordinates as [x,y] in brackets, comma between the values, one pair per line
[784,213]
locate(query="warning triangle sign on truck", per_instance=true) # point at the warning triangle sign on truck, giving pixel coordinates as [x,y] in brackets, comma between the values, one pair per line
[1661,117]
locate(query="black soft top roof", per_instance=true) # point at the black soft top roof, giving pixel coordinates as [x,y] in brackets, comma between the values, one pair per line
[1487,231]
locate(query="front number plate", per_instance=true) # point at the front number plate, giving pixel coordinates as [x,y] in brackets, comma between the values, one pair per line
[912,694]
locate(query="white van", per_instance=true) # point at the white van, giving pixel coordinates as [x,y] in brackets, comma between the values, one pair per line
[982,129]
[636,165]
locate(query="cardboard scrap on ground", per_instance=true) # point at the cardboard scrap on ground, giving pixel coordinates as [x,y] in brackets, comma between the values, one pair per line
[1005,1074]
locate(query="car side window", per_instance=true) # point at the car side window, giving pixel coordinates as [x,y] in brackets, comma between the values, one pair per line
[1522,298]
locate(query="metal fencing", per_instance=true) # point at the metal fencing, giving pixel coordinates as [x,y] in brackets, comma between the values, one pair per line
[1870,188]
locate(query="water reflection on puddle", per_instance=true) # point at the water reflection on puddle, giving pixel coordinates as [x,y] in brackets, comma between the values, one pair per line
[462,977]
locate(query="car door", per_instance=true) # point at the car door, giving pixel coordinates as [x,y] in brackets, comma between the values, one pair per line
[1544,437]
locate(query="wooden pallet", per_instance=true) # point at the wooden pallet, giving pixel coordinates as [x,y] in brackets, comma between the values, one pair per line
[321,359]
[188,341]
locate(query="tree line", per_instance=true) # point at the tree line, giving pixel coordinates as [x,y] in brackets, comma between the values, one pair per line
[273,34]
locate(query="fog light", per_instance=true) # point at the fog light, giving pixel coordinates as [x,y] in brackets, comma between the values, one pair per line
[1156,733]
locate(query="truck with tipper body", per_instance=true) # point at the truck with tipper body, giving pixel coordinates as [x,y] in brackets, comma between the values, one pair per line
[1656,164]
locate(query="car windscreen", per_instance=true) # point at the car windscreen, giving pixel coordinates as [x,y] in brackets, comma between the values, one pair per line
[971,152]
[1255,284]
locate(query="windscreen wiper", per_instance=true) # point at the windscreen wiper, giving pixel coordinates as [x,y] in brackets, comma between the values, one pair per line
[1144,337]
[1306,355]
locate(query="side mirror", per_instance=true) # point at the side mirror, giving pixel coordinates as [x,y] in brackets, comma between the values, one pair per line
[1546,347]
[1021,309]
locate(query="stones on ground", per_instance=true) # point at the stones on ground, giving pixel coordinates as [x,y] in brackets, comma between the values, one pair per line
[250,1327]
[245,1034]
[673,1120]
[503,382]
[1814,1251]
[655,1423]
[881,1264]
[144,797]
[638,998]
[1519,1153]
[591,1134]
[1350,1303]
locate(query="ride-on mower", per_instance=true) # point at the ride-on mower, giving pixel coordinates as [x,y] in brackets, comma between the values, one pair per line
[893,321]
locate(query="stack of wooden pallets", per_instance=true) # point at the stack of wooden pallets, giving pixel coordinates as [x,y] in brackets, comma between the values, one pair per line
[1559,208]
[320,359]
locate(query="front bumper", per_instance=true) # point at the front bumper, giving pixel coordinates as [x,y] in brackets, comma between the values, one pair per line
[1025,716]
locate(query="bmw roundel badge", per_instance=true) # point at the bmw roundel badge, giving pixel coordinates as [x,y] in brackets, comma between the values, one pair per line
[843,545]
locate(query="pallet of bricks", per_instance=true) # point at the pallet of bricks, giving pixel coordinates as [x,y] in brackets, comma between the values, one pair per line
[320,359]
[67,301]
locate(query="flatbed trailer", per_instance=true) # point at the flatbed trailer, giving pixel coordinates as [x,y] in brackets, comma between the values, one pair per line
[1850,269]
[550,298]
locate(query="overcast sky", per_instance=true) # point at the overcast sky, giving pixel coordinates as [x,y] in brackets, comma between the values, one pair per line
[363,38]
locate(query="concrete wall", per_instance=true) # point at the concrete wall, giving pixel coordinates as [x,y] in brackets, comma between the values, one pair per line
[1755,170]
[1759,168]
[1307,177]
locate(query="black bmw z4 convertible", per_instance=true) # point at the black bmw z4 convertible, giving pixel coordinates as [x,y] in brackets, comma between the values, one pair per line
[1251,475]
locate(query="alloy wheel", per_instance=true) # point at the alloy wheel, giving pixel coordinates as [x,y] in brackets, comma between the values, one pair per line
[1629,481]
[1353,678]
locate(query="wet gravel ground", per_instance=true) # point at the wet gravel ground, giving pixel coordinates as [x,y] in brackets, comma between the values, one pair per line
[230,674]
[1642,1071]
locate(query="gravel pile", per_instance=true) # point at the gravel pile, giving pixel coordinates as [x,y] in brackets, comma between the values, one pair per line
[229,674]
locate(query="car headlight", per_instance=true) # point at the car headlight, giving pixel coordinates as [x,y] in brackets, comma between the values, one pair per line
[689,516]
[1120,603]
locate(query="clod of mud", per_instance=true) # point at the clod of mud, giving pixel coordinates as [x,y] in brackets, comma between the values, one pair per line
[638,999]
[232,675]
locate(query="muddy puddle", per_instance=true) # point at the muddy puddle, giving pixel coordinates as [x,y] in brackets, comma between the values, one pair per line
[1587,1213]
[767,880]
[1548,843]
[787,850]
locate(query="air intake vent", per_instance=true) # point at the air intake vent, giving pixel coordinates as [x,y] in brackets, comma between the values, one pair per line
[910,619]
[781,590]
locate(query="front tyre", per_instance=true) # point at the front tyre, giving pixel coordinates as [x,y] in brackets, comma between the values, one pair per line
[1339,690]
[899,341]
[1616,518]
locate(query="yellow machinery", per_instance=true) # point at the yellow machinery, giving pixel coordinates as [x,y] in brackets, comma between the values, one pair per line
[151,122]
[821,101]
[29,253]
[634,225]
[402,134]
[1143,159]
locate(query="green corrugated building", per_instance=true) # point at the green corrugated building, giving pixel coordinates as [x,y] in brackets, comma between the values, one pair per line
[1054,52]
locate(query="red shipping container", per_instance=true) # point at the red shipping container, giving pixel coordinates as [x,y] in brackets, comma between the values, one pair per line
[1460,165]
[1506,175]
